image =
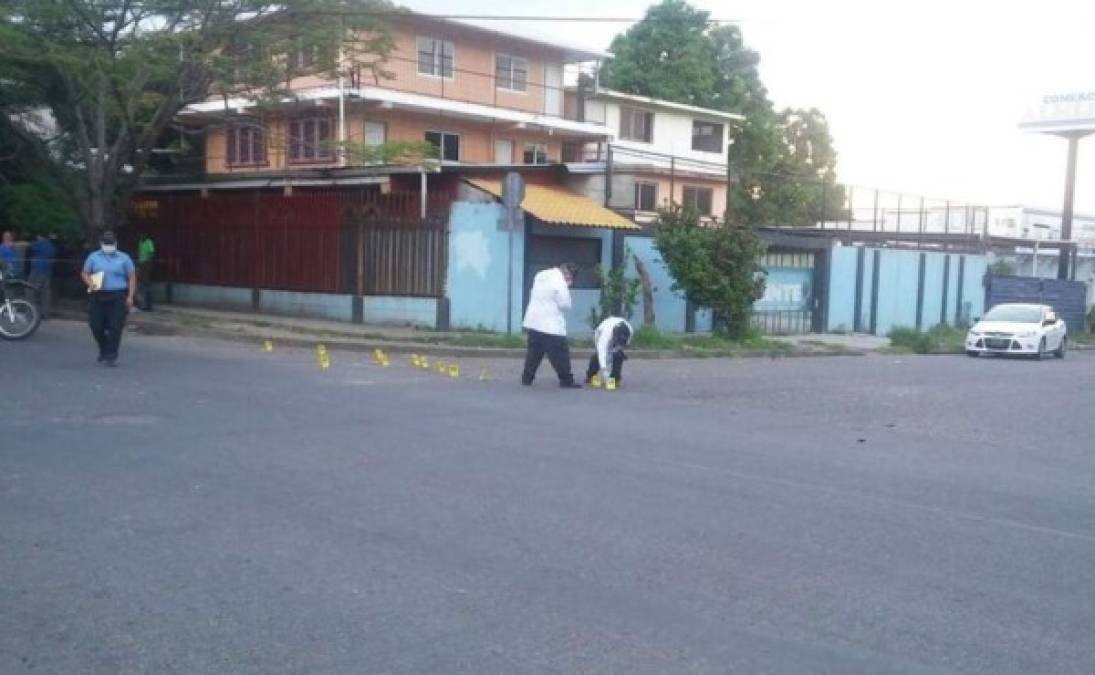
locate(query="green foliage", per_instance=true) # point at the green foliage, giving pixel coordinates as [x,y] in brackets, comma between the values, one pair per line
[409,153]
[1091,320]
[113,74]
[785,159]
[715,344]
[37,207]
[1002,267]
[619,295]
[941,338]
[717,267]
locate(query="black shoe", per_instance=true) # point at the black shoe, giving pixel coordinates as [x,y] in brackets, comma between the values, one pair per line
[527,383]
[101,359]
[570,385]
[110,363]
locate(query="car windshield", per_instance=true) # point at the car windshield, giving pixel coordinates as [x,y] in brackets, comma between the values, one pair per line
[1014,313]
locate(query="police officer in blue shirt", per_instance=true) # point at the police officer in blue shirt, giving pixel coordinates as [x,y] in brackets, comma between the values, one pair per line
[113,299]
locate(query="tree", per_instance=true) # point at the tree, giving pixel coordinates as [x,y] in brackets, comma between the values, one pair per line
[784,161]
[112,75]
[717,267]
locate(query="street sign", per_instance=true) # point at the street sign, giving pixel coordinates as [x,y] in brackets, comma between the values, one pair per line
[1062,113]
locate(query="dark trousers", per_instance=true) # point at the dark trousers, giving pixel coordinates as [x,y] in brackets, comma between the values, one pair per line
[106,316]
[618,358]
[144,285]
[557,351]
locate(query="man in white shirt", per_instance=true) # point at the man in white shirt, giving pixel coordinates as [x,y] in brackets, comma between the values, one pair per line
[546,325]
[610,338]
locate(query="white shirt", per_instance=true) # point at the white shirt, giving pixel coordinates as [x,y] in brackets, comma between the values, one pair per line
[550,297]
[602,337]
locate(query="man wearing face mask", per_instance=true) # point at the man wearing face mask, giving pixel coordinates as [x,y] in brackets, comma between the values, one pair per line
[111,295]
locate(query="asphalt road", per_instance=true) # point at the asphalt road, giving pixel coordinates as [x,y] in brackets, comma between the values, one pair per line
[209,508]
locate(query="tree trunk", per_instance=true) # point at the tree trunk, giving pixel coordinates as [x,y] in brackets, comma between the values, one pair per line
[648,292]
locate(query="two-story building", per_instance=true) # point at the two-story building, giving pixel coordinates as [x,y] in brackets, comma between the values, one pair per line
[660,152]
[284,216]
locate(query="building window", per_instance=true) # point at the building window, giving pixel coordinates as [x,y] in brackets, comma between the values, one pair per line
[698,199]
[376,133]
[636,125]
[706,136]
[435,57]
[511,72]
[246,145]
[535,153]
[646,196]
[310,140]
[448,145]
[546,252]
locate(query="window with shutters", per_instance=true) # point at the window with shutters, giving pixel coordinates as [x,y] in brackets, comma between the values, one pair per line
[535,153]
[636,125]
[447,144]
[511,72]
[246,145]
[310,140]
[699,199]
[706,136]
[646,196]
[435,57]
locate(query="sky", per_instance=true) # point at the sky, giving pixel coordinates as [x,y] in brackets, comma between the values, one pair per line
[922,97]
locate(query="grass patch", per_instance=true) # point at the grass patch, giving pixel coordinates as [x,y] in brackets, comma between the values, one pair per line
[1084,338]
[941,339]
[713,344]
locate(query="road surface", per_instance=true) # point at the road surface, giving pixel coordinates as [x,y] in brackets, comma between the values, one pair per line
[209,508]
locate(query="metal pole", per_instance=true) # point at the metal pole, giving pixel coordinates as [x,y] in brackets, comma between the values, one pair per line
[672,180]
[422,197]
[874,223]
[898,213]
[608,176]
[509,277]
[851,206]
[1070,196]
[920,227]
[947,218]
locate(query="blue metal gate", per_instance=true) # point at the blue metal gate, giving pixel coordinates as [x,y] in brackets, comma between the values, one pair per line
[1068,298]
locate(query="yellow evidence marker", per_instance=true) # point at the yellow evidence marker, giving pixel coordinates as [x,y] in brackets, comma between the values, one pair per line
[454,370]
[423,363]
[267,345]
[324,362]
[414,361]
[595,381]
[611,384]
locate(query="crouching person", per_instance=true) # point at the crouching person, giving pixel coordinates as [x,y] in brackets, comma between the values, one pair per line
[610,338]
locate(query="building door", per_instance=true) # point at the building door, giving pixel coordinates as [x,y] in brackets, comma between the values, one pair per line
[553,89]
[503,152]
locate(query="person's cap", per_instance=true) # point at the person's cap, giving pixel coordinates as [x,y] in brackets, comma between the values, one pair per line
[108,238]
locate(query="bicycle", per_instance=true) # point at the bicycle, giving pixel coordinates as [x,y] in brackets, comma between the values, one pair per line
[19,317]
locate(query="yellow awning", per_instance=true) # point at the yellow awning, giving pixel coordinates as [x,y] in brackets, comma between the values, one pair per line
[559,206]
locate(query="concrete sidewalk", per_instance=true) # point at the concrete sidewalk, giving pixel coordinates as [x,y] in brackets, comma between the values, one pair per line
[306,332]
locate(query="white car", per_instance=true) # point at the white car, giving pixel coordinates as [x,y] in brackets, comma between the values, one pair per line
[1012,328]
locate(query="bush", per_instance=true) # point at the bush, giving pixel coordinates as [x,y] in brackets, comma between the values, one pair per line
[940,338]
[618,295]
[717,267]
[648,337]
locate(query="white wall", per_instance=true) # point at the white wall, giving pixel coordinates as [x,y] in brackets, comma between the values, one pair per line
[672,131]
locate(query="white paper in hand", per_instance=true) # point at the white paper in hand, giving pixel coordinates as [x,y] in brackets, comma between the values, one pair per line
[96,282]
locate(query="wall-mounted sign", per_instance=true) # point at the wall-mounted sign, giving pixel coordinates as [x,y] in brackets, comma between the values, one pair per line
[1064,112]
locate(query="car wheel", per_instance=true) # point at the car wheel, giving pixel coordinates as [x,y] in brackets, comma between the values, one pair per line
[1060,351]
[972,354]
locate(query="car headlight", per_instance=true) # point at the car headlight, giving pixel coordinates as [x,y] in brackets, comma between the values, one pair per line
[974,334]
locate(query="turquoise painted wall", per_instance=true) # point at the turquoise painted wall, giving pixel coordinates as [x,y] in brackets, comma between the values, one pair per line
[477,268]
[898,280]
[669,307]
[842,267]
[384,309]
[933,290]
[322,305]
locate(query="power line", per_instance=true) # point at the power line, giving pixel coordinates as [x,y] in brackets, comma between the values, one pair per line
[484,17]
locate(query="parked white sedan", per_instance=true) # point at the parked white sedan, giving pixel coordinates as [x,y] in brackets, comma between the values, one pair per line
[1033,330]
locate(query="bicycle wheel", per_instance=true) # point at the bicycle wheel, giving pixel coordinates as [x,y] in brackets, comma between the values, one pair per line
[18,319]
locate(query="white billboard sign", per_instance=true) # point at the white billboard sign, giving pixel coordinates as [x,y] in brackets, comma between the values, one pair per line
[1062,113]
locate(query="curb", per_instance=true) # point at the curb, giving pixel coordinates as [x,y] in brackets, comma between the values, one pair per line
[404,347]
